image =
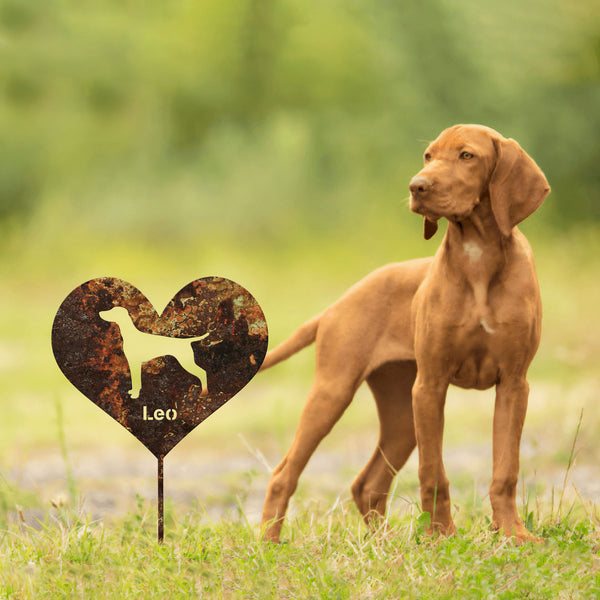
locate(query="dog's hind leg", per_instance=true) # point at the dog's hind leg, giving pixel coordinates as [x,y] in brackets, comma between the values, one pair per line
[391,385]
[185,357]
[344,345]
[325,405]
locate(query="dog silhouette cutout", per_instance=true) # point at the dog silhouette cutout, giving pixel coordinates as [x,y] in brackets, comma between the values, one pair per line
[140,347]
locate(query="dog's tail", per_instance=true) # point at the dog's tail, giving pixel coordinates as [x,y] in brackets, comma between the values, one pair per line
[297,341]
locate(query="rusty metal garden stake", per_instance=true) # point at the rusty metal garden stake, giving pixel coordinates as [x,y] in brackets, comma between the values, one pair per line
[159,376]
[161,506]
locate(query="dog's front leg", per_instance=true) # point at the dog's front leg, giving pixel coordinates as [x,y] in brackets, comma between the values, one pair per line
[429,398]
[135,373]
[509,417]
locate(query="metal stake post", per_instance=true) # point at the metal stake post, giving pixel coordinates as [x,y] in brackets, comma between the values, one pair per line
[161,516]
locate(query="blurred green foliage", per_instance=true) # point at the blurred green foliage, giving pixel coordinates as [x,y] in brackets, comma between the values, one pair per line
[262,117]
[272,142]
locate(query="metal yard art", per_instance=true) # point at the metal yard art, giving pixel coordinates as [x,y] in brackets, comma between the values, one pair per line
[159,376]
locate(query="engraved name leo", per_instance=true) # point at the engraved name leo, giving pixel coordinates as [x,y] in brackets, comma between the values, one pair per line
[159,414]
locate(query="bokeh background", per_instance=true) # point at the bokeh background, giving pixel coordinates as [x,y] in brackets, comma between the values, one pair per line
[271,142]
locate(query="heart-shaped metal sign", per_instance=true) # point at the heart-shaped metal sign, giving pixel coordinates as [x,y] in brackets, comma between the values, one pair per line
[159,375]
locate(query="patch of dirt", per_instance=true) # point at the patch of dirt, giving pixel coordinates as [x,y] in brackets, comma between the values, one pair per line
[109,481]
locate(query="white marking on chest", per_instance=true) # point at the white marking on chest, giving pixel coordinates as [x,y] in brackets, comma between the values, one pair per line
[486,327]
[472,250]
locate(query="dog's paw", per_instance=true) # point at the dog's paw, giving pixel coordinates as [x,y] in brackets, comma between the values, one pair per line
[518,533]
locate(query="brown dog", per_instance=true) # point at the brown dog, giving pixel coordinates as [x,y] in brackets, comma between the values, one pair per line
[469,316]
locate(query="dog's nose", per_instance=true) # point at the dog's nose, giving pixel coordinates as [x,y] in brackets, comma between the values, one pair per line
[419,185]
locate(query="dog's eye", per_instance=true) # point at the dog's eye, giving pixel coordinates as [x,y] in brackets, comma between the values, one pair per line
[466,155]
[427,157]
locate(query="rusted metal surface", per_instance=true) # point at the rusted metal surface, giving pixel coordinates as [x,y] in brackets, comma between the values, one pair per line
[161,499]
[92,351]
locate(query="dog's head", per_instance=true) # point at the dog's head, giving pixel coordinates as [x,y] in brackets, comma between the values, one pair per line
[469,164]
[115,314]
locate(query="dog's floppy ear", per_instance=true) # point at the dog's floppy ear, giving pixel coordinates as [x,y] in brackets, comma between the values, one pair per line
[517,185]
[429,228]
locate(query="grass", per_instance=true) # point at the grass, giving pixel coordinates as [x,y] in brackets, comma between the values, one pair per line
[325,555]
[327,551]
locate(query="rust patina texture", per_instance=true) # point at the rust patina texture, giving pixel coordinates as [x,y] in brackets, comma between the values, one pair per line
[230,345]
